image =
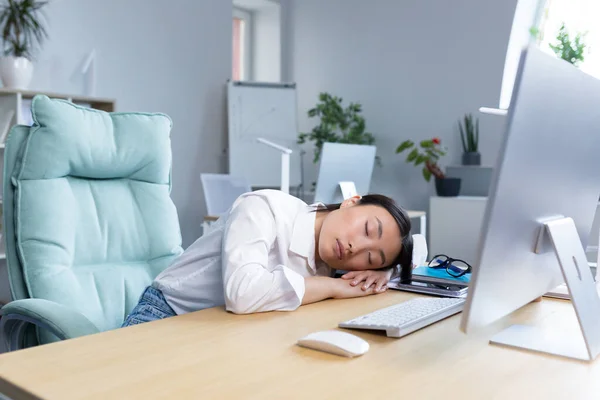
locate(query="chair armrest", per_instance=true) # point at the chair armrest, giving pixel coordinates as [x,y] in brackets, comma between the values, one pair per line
[60,320]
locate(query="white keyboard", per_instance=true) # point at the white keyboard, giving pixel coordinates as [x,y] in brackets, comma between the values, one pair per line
[409,316]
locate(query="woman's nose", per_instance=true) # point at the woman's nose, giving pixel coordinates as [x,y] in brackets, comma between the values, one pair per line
[359,245]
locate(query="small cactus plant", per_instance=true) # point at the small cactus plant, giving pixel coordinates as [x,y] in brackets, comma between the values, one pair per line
[469,134]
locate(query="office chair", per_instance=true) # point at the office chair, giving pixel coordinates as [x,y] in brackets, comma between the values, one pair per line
[88,217]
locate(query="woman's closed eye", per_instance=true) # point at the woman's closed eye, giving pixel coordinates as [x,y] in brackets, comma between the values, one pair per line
[367,228]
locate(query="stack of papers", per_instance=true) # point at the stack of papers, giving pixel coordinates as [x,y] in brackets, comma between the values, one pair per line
[559,292]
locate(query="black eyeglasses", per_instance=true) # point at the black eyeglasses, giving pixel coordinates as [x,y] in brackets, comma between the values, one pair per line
[453,266]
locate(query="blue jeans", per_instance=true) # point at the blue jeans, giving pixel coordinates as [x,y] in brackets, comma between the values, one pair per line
[151,306]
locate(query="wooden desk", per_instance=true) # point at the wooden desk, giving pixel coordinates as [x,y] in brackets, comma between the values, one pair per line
[212,354]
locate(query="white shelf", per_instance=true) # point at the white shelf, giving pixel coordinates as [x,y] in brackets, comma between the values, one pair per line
[29,94]
[2,256]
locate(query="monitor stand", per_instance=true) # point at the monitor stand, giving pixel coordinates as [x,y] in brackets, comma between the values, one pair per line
[560,235]
[348,189]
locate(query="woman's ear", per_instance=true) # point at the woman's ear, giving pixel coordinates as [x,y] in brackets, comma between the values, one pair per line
[350,201]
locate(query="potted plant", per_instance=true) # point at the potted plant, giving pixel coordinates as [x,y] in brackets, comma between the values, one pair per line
[569,50]
[21,28]
[428,154]
[469,135]
[337,124]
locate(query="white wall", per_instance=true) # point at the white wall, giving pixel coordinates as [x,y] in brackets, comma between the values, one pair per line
[416,66]
[160,55]
[267,44]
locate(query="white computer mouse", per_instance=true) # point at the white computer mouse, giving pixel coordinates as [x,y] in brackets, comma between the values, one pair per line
[335,342]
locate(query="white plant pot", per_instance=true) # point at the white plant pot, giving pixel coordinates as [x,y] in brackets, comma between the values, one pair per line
[16,72]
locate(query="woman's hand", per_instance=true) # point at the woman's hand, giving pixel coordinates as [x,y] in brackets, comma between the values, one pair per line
[343,290]
[319,288]
[376,279]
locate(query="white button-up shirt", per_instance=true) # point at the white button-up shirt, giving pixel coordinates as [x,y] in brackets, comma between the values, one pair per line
[253,259]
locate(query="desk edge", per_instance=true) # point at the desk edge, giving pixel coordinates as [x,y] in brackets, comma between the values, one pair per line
[13,391]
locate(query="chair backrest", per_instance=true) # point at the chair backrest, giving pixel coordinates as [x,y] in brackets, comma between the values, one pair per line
[221,191]
[87,210]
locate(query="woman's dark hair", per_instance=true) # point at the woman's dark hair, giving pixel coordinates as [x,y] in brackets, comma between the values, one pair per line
[404,259]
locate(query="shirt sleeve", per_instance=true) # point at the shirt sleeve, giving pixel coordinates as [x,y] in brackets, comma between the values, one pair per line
[250,284]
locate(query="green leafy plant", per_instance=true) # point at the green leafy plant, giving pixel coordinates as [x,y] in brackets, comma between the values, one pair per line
[337,124]
[534,31]
[21,26]
[427,153]
[567,49]
[469,134]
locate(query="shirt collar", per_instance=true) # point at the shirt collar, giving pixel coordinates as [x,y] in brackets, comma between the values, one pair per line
[303,235]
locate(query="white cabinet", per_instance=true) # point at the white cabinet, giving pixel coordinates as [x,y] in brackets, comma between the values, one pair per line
[455,227]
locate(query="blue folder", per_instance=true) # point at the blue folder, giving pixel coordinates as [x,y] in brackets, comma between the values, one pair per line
[439,273]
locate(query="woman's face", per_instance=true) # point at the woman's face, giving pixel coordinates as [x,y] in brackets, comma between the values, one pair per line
[359,237]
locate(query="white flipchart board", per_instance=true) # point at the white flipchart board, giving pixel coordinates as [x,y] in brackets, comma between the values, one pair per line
[262,110]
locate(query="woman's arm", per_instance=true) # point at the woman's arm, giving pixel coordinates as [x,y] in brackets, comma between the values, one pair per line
[318,288]
[377,279]
[251,285]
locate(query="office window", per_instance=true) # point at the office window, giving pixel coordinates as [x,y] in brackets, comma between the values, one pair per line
[578,16]
[242,50]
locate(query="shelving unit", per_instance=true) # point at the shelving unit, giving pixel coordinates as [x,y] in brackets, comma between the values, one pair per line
[99,103]
[17,105]
[19,102]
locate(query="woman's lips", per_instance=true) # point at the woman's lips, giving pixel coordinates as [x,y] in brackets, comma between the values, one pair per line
[340,249]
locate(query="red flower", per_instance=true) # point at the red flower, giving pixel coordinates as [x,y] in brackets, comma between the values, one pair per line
[436,140]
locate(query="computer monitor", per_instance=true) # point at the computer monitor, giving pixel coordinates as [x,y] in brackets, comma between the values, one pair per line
[545,186]
[344,164]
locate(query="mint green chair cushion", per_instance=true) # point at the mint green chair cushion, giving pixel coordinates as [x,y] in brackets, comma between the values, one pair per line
[93,219]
